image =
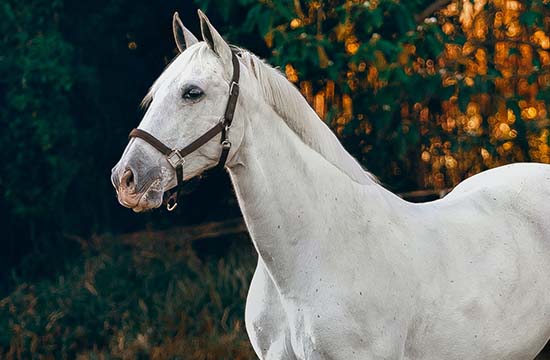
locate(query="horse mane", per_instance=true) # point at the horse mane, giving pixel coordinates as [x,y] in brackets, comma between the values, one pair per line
[287,101]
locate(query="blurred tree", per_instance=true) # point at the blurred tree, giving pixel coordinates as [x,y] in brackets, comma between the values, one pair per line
[72,75]
[350,60]
[423,101]
[497,63]
[36,77]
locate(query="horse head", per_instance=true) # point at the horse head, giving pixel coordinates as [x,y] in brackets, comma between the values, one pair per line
[185,129]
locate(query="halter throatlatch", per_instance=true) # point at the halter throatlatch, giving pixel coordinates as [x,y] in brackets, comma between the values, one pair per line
[176,157]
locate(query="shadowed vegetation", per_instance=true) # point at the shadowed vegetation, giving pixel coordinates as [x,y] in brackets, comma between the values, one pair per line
[140,296]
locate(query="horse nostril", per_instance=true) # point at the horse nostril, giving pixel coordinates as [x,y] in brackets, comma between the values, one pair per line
[127,180]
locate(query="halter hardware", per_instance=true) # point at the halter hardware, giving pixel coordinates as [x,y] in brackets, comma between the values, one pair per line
[234,86]
[176,157]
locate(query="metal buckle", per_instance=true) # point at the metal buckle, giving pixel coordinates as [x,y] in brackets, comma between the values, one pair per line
[175,159]
[226,144]
[232,87]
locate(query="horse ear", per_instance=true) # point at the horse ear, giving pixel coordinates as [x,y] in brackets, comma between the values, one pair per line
[183,37]
[214,40]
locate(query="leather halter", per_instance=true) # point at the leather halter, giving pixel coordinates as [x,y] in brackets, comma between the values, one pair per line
[176,157]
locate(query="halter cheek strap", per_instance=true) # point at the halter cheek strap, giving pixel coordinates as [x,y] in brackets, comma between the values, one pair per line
[176,157]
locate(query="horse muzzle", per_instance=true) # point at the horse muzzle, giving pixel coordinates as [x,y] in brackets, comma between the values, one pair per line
[146,195]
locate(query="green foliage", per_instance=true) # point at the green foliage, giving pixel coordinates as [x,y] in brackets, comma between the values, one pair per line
[328,42]
[419,101]
[36,77]
[70,87]
[139,297]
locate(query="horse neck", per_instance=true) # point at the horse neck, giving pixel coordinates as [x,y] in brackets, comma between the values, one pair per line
[293,200]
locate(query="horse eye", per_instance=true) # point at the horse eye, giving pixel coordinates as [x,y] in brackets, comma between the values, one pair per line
[192,93]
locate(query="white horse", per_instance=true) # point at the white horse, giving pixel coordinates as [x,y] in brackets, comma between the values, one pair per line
[346,269]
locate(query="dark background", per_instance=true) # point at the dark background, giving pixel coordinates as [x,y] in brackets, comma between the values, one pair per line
[85,99]
[421,103]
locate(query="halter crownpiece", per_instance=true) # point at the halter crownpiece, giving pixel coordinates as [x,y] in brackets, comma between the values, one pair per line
[176,157]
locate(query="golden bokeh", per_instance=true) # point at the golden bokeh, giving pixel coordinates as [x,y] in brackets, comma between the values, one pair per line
[503,61]
[512,59]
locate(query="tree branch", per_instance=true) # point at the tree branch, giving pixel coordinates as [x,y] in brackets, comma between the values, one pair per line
[438,5]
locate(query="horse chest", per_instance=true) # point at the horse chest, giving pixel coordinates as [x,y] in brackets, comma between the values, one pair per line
[280,328]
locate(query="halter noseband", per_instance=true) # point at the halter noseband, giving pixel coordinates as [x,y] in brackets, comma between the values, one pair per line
[176,157]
